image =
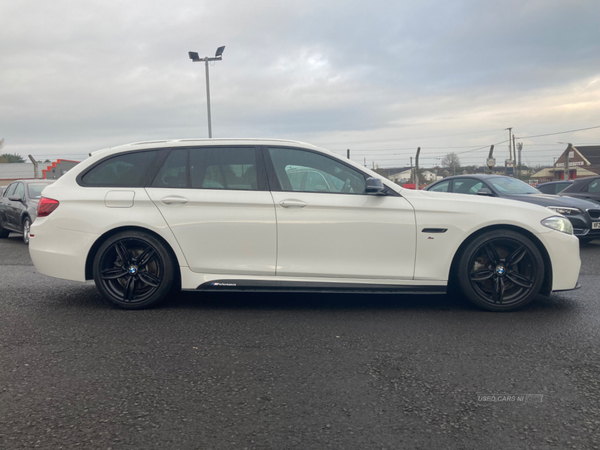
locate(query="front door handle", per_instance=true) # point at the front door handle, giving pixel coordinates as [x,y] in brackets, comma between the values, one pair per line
[293,204]
[174,200]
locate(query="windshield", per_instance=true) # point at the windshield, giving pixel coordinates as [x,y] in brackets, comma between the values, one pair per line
[506,185]
[35,190]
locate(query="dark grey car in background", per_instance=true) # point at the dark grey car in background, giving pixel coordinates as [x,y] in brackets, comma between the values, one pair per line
[584,215]
[553,187]
[584,188]
[18,206]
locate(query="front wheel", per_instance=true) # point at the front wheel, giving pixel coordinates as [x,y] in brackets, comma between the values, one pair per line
[133,270]
[501,270]
[26,230]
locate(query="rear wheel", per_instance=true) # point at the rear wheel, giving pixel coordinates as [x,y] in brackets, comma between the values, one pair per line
[133,270]
[501,271]
[26,230]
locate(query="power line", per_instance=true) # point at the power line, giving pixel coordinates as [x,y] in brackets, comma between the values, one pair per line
[560,132]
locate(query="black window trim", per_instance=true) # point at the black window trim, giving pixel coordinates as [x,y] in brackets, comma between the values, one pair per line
[276,185]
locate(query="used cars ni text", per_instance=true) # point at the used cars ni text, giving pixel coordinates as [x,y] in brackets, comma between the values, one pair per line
[234,214]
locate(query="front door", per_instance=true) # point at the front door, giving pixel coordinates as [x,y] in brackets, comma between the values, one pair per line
[327,225]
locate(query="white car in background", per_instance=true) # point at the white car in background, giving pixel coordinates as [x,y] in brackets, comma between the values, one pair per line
[239,214]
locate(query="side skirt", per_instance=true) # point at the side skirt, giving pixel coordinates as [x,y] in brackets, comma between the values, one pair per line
[300,286]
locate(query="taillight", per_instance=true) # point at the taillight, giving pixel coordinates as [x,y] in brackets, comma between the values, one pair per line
[46,206]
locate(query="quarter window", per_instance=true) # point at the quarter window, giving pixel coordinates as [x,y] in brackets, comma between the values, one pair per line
[123,170]
[304,171]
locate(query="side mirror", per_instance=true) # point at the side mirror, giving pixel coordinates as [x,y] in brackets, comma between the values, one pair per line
[15,198]
[374,186]
[486,192]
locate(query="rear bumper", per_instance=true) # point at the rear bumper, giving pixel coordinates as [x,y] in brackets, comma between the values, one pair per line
[57,252]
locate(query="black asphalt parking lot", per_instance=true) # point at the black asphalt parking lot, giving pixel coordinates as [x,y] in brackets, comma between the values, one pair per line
[273,371]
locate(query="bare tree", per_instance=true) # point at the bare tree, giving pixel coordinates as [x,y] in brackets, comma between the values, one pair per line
[451,162]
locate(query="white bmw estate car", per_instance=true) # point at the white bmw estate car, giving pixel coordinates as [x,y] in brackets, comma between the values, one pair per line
[231,214]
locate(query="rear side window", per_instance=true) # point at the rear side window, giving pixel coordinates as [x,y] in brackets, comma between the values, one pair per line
[35,190]
[224,168]
[123,170]
[173,173]
[548,189]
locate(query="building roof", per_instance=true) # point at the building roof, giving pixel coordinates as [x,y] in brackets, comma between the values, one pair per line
[591,153]
[549,172]
[15,171]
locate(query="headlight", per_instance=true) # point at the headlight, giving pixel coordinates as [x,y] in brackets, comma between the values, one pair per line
[558,223]
[565,211]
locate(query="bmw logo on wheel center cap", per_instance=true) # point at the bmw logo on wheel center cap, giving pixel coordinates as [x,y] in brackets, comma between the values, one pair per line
[132,270]
[500,270]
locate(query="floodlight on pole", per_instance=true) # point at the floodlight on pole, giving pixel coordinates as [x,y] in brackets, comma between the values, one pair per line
[196,58]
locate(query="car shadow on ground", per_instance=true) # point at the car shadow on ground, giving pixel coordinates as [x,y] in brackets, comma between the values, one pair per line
[329,301]
[87,297]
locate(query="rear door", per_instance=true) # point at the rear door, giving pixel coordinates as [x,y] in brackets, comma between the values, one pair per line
[217,203]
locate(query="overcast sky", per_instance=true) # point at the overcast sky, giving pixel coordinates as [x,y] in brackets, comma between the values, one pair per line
[377,77]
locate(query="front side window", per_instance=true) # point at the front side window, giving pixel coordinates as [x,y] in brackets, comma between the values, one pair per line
[20,190]
[467,186]
[224,168]
[305,171]
[444,186]
[10,190]
[123,170]
[594,186]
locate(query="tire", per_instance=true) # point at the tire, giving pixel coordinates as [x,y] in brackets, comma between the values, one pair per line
[133,270]
[26,229]
[501,270]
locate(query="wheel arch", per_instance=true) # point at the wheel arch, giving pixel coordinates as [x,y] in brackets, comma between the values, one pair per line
[89,263]
[24,216]
[547,283]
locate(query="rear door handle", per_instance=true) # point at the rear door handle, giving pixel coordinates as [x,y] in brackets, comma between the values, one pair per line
[174,200]
[292,204]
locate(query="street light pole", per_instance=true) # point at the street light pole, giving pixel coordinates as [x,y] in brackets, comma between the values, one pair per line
[195,58]
[208,98]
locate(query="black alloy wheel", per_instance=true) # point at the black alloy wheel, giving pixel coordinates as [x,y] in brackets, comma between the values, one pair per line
[26,230]
[133,270]
[501,271]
